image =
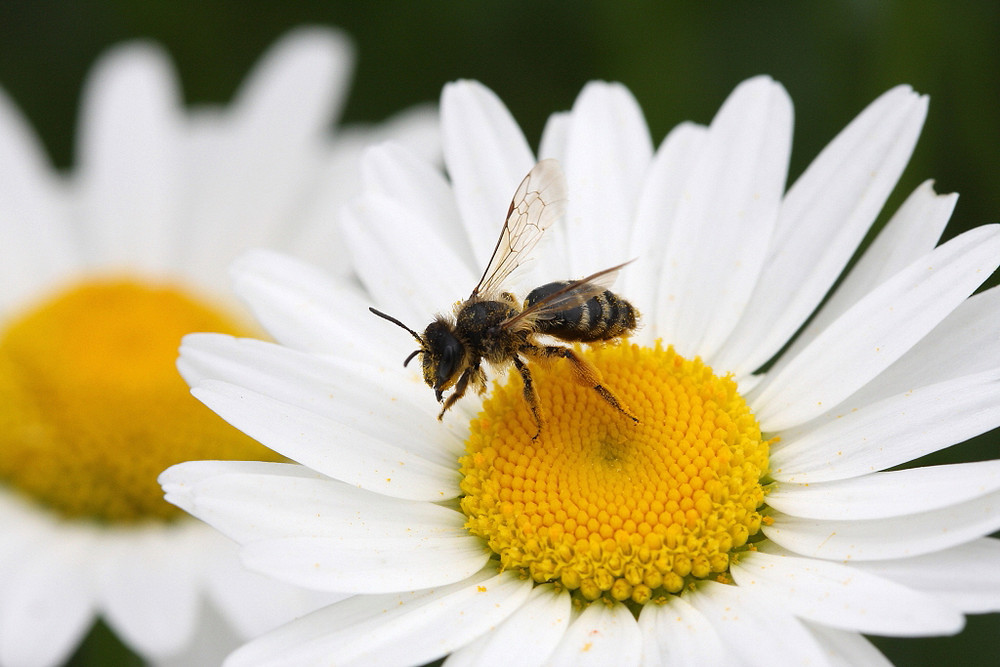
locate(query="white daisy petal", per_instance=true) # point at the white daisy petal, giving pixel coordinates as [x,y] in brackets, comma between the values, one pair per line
[251,602]
[389,545]
[967,342]
[303,308]
[211,644]
[608,150]
[847,649]
[844,597]
[301,82]
[47,602]
[317,240]
[733,193]
[754,629]
[409,290]
[402,629]
[887,494]
[890,432]
[676,634]
[369,563]
[148,586]
[554,260]
[220,495]
[475,123]
[876,331]
[555,136]
[527,637]
[334,388]
[965,576]
[654,216]
[181,482]
[601,635]
[23,527]
[129,155]
[911,233]
[332,180]
[394,173]
[417,129]
[303,436]
[31,208]
[823,218]
[894,537]
[424,222]
[192,472]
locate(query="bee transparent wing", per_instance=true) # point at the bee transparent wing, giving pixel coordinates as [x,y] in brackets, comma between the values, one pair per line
[570,296]
[538,202]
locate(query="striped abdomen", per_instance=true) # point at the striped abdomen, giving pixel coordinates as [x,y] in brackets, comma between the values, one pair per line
[601,317]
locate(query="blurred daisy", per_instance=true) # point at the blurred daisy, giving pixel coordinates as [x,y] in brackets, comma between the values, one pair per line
[103,271]
[746,519]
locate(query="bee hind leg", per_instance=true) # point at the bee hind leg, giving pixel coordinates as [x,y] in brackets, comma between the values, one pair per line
[529,394]
[586,374]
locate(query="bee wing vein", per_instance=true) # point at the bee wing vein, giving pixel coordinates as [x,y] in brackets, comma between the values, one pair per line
[539,201]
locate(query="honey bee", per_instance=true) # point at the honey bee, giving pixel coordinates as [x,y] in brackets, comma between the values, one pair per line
[492,326]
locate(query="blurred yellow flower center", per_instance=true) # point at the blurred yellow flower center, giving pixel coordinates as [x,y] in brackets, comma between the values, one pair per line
[92,408]
[604,506]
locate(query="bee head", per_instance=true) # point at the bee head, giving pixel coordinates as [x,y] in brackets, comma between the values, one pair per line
[443,354]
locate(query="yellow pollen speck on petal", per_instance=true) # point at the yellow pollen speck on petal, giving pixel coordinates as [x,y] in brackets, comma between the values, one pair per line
[605,507]
[92,407]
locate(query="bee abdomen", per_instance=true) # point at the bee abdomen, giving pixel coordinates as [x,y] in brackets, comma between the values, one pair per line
[601,317]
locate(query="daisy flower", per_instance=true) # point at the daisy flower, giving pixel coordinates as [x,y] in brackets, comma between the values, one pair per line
[750,517]
[103,270]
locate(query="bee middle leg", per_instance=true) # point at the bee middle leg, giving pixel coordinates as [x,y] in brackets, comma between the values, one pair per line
[586,374]
[529,394]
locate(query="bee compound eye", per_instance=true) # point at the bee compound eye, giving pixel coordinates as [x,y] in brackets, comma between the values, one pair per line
[448,356]
[449,361]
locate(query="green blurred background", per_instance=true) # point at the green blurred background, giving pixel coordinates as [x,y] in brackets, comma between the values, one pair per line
[679,59]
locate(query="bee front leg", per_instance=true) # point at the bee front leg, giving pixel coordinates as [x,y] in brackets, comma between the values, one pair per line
[460,387]
[529,394]
[585,374]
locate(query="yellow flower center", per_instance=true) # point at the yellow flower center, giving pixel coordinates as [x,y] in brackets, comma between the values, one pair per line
[604,506]
[92,408]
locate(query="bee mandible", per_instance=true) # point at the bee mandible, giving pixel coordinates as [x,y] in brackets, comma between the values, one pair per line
[492,326]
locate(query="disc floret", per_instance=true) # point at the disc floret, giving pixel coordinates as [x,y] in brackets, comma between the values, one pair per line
[606,507]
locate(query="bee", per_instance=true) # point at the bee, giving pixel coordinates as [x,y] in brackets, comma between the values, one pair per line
[492,326]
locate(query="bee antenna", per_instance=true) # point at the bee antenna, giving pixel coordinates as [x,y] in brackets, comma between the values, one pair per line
[410,358]
[400,324]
